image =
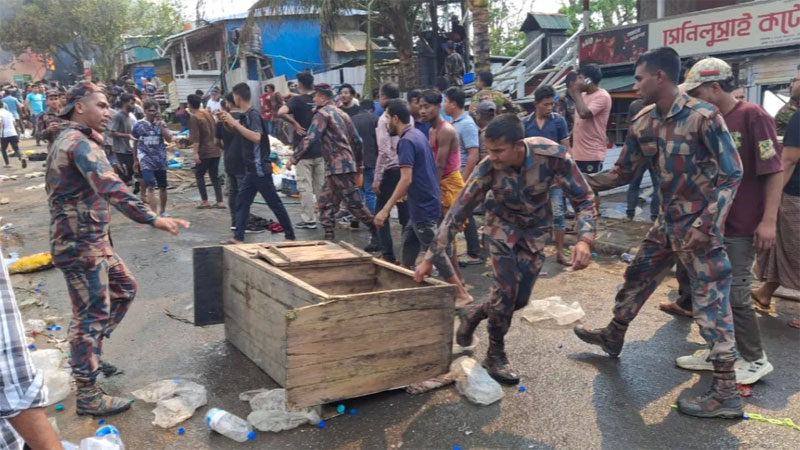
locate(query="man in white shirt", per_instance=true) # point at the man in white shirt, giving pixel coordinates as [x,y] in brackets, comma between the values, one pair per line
[9,136]
[214,104]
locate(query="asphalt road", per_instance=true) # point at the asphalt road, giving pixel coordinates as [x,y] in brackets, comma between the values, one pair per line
[576,398]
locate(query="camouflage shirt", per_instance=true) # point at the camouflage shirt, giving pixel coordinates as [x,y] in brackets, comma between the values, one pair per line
[45,120]
[80,186]
[517,201]
[784,115]
[497,97]
[341,144]
[454,69]
[695,158]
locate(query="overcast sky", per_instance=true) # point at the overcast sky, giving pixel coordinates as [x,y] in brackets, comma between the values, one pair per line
[215,8]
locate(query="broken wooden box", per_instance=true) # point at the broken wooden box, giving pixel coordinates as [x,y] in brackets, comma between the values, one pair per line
[325,320]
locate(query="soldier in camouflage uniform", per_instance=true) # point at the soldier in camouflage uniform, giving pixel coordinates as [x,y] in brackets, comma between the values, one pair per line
[515,180]
[454,69]
[342,151]
[788,110]
[485,92]
[50,124]
[698,171]
[80,187]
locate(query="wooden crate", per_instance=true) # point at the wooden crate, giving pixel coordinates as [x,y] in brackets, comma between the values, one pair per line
[328,322]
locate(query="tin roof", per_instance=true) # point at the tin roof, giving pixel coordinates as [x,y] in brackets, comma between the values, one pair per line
[540,21]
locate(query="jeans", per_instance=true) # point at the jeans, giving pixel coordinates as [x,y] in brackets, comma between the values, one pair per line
[558,207]
[417,236]
[249,185]
[233,192]
[366,191]
[270,126]
[35,120]
[212,166]
[633,194]
[388,183]
[14,142]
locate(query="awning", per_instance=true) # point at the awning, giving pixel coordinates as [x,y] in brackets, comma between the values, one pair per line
[622,83]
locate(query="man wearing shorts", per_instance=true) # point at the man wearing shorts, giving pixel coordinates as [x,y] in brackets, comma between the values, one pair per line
[150,155]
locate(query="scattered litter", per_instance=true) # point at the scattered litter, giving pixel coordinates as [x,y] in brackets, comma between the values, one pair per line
[165,249]
[626,257]
[246,396]
[353,412]
[321,424]
[745,390]
[178,318]
[4,201]
[31,263]
[474,382]
[34,175]
[229,425]
[59,407]
[35,186]
[552,308]
[340,409]
[105,438]
[176,400]
[468,432]
[560,346]
[101,421]
[181,431]
[270,412]
[7,227]
[32,347]
[594,255]
[522,389]
[57,378]
[36,325]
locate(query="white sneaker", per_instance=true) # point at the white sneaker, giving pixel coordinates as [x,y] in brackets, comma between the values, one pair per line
[698,361]
[748,372]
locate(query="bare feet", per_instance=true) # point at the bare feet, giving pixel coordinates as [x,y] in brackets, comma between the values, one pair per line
[562,259]
[673,308]
[462,297]
[761,299]
[794,323]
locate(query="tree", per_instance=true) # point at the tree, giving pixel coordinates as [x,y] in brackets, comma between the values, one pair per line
[398,19]
[505,37]
[604,13]
[480,30]
[89,29]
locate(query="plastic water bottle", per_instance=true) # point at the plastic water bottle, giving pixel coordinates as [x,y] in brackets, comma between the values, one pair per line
[229,425]
[105,438]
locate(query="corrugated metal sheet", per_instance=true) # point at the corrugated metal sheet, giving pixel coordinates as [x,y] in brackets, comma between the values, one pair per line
[180,88]
[536,21]
[774,69]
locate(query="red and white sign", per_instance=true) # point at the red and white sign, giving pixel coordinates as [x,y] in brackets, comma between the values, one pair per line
[749,26]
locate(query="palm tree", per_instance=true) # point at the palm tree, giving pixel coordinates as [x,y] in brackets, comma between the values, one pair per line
[397,18]
[480,29]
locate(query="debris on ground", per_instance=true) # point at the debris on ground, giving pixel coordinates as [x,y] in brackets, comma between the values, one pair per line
[552,308]
[57,378]
[433,383]
[105,438]
[270,412]
[32,263]
[176,400]
[229,425]
[474,382]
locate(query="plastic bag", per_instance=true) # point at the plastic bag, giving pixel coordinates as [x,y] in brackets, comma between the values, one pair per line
[35,325]
[31,263]
[176,400]
[47,359]
[474,382]
[246,396]
[57,380]
[270,413]
[552,308]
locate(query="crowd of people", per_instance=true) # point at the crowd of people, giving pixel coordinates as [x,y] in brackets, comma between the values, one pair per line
[726,194]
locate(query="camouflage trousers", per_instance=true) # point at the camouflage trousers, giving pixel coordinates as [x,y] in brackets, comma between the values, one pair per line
[101,289]
[515,271]
[338,188]
[709,271]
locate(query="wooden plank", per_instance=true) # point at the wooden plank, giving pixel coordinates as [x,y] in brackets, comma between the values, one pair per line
[366,343]
[410,273]
[207,269]
[338,279]
[299,255]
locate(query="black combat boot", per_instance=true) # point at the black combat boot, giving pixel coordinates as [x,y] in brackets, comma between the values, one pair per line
[722,400]
[610,338]
[92,400]
[469,318]
[496,363]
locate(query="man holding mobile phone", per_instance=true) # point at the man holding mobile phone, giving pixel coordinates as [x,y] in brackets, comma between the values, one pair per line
[592,108]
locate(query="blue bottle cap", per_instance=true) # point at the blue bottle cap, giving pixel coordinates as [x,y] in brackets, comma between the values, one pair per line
[456,448]
[321,424]
[181,431]
[352,412]
[58,328]
[522,389]
[165,249]
[251,435]
[101,421]
[59,407]
[340,409]
[32,347]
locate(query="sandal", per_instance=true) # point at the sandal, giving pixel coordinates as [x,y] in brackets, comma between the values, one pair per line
[230,242]
[674,309]
[758,304]
[794,323]
[219,207]
[203,206]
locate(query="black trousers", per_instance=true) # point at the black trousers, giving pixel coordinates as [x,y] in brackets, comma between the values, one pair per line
[388,183]
[210,165]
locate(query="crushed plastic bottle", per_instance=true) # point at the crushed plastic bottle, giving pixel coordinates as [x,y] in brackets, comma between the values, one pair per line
[105,438]
[229,425]
[626,257]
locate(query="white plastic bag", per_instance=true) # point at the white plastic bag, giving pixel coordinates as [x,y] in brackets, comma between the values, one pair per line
[48,359]
[474,382]
[36,325]
[270,413]
[552,308]
[57,380]
[176,400]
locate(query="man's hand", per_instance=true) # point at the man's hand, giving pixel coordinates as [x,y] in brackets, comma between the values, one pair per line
[53,126]
[424,269]
[225,117]
[764,237]
[381,218]
[299,130]
[171,226]
[581,255]
[196,159]
[360,178]
[375,186]
[696,239]
[136,167]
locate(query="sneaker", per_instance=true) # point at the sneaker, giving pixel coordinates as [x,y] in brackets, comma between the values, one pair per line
[697,361]
[749,372]
[252,230]
[233,228]
[307,225]
[164,214]
[345,220]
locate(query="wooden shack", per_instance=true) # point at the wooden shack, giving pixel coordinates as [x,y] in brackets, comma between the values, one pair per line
[325,320]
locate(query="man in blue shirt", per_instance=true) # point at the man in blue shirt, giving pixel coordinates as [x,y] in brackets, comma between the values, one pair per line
[12,105]
[35,103]
[543,122]
[469,142]
[419,183]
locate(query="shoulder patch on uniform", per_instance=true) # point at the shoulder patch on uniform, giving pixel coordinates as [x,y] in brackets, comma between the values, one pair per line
[645,110]
[766,149]
[546,147]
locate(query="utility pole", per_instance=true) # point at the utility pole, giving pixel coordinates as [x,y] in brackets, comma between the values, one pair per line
[369,75]
[435,44]
[586,15]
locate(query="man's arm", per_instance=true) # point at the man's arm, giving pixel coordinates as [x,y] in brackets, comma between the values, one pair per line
[384,149]
[135,156]
[165,131]
[444,144]
[406,174]
[94,166]
[471,143]
[629,163]
[769,169]
[319,123]
[716,137]
[356,143]
[283,113]
[35,430]
[577,190]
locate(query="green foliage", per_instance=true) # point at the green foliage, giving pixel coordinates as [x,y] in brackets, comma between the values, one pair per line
[504,34]
[604,13]
[88,29]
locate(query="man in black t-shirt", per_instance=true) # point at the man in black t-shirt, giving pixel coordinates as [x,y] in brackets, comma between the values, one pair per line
[298,111]
[257,165]
[231,143]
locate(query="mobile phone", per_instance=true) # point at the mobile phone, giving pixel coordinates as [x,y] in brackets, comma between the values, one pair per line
[587,81]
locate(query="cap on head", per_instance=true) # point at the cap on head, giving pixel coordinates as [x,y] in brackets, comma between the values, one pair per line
[707,69]
[52,93]
[76,93]
[486,107]
[324,89]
